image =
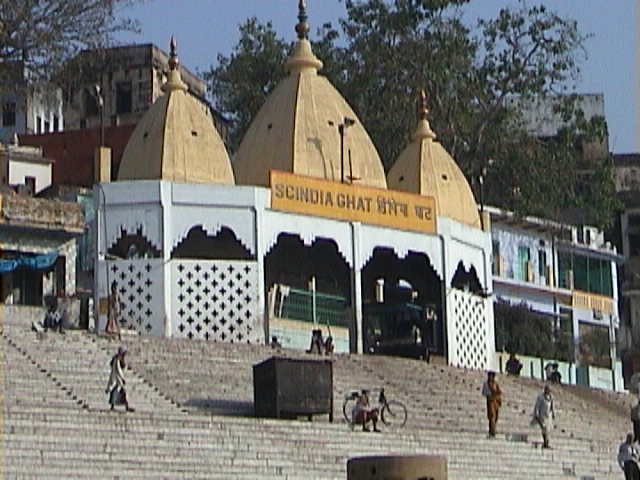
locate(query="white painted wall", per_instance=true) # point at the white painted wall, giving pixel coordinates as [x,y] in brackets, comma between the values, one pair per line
[165,212]
[41,171]
[44,106]
[510,239]
[539,116]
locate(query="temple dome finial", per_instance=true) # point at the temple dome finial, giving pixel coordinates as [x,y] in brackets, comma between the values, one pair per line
[423,129]
[174,80]
[173,54]
[302,28]
[302,58]
[423,110]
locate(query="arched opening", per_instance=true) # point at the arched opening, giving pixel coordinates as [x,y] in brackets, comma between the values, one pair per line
[402,305]
[467,280]
[307,288]
[133,246]
[224,245]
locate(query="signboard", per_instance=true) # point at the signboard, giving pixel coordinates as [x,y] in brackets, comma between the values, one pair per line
[324,198]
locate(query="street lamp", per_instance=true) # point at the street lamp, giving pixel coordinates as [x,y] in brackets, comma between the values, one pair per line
[481,177]
[97,91]
[346,123]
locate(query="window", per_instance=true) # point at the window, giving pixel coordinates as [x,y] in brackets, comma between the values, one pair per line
[524,256]
[590,274]
[47,127]
[634,245]
[89,103]
[38,124]
[123,97]
[30,184]
[9,114]
[495,258]
[565,270]
[56,123]
[144,94]
[542,263]
[634,220]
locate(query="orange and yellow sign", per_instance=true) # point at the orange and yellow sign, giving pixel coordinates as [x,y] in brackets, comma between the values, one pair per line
[314,196]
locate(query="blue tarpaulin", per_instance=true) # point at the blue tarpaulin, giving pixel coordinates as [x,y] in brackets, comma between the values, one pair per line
[38,262]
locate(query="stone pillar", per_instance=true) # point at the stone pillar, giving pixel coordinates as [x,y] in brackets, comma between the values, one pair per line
[398,467]
[102,165]
[355,330]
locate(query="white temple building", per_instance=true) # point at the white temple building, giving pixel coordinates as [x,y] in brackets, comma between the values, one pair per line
[301,231]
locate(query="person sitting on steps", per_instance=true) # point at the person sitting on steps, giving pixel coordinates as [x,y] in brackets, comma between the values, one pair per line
[513,366]
[363,413]
[318,345]
[53,317]
[552,373]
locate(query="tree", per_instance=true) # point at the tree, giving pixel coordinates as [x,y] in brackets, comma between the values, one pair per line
[385,52]
[519,329]
[40,36]
[241,83]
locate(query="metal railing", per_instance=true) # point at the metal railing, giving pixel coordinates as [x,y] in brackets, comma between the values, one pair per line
[301,305]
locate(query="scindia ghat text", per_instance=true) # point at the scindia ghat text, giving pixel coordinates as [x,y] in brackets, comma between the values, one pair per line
[358,203]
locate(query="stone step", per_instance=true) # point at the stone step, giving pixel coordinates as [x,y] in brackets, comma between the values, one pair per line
[446,415]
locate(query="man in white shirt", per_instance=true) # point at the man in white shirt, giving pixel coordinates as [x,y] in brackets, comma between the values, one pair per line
[635,420]
[544,414]
[627,459]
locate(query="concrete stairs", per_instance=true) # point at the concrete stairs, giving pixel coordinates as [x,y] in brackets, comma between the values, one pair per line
[193,418]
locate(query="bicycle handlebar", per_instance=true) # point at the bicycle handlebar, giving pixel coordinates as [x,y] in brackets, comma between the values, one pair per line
[382,398]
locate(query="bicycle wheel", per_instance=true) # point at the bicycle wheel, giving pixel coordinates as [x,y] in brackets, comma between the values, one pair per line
[394,414]
[347,408]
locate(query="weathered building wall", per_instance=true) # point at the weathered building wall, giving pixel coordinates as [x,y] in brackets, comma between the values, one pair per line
[130,79]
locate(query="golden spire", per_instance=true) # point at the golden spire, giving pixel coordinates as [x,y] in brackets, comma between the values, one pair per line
[173,54]
[174,80]
[423,110]
[302,28]
[302,57]
[423,130]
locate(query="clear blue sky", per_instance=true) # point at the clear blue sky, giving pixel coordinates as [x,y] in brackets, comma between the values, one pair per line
[206,28]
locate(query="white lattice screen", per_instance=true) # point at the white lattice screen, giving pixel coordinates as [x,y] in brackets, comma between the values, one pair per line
[216,300]
[140,291]
[468,333]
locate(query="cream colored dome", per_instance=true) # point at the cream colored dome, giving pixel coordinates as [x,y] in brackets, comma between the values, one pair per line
[426,168]
[176,140]
[297,129]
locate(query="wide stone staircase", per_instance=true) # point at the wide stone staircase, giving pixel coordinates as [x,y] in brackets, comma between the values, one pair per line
[194,416]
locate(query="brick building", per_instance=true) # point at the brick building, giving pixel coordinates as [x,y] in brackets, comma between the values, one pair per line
[129,80]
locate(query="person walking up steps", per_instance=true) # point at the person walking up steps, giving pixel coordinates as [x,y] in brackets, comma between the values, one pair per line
[544,414]
[491,390]
[113,315]
[628,459]
[115,387]
[635,420]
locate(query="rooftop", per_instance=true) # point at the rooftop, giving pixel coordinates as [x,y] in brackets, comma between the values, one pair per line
[41,214]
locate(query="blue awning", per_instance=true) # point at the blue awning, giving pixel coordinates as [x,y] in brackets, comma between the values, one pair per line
[37,262]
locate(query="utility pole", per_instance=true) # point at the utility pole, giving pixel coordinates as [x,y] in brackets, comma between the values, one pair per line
[346,123]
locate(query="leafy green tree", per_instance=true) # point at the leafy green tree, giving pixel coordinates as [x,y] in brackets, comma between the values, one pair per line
[39,36]
[241,83]
[476,79]
[518,329]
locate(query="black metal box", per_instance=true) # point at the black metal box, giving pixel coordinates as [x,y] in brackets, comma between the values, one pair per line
[287,388]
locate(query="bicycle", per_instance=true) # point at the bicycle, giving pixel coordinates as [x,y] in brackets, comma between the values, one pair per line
[392,412]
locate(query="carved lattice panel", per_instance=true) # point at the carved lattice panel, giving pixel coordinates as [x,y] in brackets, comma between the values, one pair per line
[469,342]
[140,291]
[216,300]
